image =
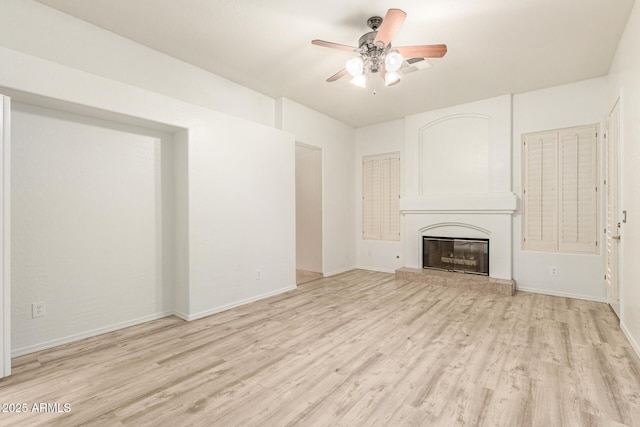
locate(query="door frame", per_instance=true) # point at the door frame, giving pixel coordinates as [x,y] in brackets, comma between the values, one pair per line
[5,236]
[612,203]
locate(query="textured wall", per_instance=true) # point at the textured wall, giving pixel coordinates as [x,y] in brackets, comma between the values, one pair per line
[41,31]
[582,103]
[241,214]
[86,203]
[379,255]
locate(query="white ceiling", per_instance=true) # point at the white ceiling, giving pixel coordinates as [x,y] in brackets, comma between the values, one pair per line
[495,47]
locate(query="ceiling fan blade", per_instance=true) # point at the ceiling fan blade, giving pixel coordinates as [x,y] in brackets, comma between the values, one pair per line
[391,23]
[337,75]
[427,51]
[331,45]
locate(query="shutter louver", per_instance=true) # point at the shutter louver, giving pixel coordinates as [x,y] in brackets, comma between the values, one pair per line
[578,198]
[390,200]
[371,198]
[560,199]
[381,197]
[540,198]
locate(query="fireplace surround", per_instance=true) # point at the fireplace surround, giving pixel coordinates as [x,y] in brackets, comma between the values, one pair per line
[456,177]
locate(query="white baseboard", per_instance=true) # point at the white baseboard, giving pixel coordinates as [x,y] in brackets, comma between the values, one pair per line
[381,270]
[340,271]
[632,341]
[225,307]
[180,314]
[86,334]
[116,326]
[561,294]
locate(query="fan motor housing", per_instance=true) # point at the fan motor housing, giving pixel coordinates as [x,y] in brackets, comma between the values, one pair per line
[367,39]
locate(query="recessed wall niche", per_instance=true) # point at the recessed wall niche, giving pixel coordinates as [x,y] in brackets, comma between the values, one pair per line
[454,155]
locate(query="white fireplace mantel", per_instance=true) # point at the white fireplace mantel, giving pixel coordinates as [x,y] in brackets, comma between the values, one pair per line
[505,203]
[480,215]
[491,224]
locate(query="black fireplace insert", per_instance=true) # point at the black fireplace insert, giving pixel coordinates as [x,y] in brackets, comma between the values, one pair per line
[456,254]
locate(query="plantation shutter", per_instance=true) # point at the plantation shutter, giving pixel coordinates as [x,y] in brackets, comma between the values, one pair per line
[390,198]
[578,195]
[560,194]
[381,197]
[540,192]
[371,197]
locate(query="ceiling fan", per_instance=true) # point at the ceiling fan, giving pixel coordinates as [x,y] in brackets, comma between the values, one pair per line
[377,56]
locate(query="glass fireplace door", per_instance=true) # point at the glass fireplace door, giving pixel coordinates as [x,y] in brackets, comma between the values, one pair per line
[456,254]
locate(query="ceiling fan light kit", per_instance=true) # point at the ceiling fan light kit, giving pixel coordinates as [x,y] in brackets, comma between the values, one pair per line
[375,54]
[391,78]
[360,81]
[355,66]
[393,61]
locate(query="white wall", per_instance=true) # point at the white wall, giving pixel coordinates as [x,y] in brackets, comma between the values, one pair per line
[180,232]
[380,138]
[87,227]
[252,193]
[308,209]
[337,141]
[581,103]
[5,236]
[624,84]
[241,214]
[35,29]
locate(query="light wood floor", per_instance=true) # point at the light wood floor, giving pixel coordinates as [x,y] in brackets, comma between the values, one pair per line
[304,276]
[355,349]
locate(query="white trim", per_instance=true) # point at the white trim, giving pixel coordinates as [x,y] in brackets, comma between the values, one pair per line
[484,231]
[87,334]
[561,294]
[632,341]
[472,202]
[340,271]
[225,307]
[180,314]
[5,236]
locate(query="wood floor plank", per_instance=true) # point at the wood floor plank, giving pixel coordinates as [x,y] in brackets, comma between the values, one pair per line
[359,348]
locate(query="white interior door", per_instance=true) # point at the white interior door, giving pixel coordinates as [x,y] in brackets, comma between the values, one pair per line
[5,283]
[612,221]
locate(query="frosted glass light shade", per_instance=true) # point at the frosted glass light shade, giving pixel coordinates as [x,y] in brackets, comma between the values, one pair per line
[393,61]
[355,66]
[360,81]
[391,77]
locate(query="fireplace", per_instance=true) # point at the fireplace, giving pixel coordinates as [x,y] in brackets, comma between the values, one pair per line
[456,254]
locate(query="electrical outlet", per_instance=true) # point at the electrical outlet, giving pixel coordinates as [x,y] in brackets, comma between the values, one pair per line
[38,309]
[553,271]
[257,274]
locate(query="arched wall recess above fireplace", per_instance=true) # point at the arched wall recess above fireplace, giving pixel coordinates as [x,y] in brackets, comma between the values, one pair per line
[464,149]
[454,154]
[455,229]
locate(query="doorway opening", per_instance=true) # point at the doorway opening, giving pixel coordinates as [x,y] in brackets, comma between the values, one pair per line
[308,213]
